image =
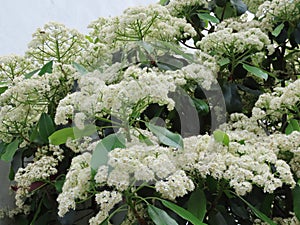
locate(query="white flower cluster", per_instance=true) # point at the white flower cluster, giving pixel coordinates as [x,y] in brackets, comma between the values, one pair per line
[107,200]
[177,7]
[253,5]
[280,221]
[151,164]
[76,185]
[12,66]
[39,170]
[55,42]
[25,99]
[226,43]
[21,106]
[148,23]
[273,12]
[274,105]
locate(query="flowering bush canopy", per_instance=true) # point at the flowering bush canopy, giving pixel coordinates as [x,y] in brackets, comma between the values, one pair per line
[182,112]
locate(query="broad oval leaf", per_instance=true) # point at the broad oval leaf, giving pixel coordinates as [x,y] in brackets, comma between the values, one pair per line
[278,30]
[61,136]
[239,6]
[165,136]
[296,200]
[293,126]
[255,71]
[80,68]
[208,17]
[182,213]
[201,106]
[221,137]
[10,151]
[47,68]
[46,126]
[100,154]
[159,216]
[258,213]
[197,204]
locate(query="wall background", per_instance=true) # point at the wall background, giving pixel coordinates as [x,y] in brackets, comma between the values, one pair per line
[20,18]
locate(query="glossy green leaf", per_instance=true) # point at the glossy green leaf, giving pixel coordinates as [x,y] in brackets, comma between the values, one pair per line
[221,137]
[232,97]
[164,2]
[278,30]
[30,74]
[296,200]
[61,136]
[239,6]
[46,126]
[59,185]
[197,204]
[3,89]
[165,136]
[258,213]
[292,126]
[145,140]
[100,154]
[47,68]
[201,106]
[79,68]
[10,151]
[223,61]
[256,71]
[208,17]
[159,216]
[217,219]
[182,213]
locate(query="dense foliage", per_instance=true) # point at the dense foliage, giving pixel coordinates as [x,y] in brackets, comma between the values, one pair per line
[183,112]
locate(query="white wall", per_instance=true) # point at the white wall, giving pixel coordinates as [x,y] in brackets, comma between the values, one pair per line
[20,18]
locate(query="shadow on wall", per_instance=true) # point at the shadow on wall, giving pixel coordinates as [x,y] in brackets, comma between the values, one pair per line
[6,199]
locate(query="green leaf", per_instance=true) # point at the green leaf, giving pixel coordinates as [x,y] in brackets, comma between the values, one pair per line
[160,217]
[80,68]
[239,6]
[47,68]
[100,154]
[10,151]
[164,2]
[296,200]
[46,126]
[217,219]
[208,17]
[182,212]
[3,89]
[278,30]
[293,126]
[197,204]
[221,137]
[61,136]
[165,136]
[145,140]
[258,213]
[232,97]
[59,185]
[255,71]
[201,106]
[223,61]
[30,74]
[2,147]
